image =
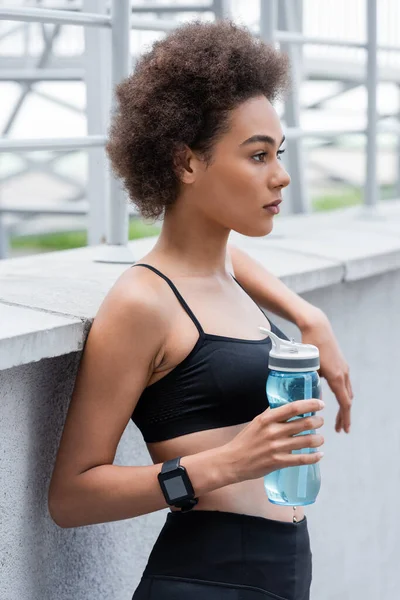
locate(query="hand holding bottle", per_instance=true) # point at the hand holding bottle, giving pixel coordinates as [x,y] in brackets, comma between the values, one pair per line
[266,443]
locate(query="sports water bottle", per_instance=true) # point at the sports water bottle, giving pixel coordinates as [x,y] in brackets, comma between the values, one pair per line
[293,376]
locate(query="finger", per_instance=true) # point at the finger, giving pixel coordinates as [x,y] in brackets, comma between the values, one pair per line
[301,425]
[346,421]
[348,409]
[295,409]
[349,387]
[294,460]
[339,425]
[343,419]
[300,442]
[338,387]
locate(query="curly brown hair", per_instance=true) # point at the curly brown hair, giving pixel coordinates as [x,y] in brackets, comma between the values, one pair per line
[180,94]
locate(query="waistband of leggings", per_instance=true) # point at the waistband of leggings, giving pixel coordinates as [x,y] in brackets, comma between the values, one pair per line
[197,517]
[228,547]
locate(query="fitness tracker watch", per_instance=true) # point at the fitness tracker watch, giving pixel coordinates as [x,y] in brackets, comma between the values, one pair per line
[176,485]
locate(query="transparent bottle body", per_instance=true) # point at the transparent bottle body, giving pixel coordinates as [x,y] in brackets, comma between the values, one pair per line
[293,486]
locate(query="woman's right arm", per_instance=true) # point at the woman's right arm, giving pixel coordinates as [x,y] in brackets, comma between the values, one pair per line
[124,345]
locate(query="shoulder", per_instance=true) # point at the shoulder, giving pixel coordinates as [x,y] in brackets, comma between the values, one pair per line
[138,286]
[135,308]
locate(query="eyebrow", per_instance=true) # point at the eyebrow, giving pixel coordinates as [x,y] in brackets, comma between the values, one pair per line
[261,138]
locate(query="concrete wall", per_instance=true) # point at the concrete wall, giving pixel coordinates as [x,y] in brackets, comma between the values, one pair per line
[39,560]
[354,526]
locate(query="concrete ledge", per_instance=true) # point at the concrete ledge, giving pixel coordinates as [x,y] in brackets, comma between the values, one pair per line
[365,241]
[300,271]
[27,334]
[362,254]
[47,301]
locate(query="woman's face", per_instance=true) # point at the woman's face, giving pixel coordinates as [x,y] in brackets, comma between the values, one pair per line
[246,173]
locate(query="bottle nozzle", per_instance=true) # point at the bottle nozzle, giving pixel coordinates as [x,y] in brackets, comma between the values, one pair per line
[278,342]
[290,355]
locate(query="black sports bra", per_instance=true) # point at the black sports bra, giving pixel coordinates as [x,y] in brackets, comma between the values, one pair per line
[221,382]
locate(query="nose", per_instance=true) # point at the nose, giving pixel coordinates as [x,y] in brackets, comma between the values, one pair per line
[281,177]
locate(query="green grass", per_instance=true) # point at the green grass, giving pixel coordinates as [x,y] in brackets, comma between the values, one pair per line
[66,240]
[349,197]
[138,229]
[335,201]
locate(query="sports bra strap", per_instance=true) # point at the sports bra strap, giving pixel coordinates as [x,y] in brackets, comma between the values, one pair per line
[176,292]
[249,295]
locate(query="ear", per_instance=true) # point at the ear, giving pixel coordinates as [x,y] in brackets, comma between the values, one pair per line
[186,164]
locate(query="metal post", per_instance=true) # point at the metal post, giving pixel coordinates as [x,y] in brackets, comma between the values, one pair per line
[298,24]
[268,20]
[287,159]
[222,9]
[4,242]
[296,193]
[397,185]
[371,192]
[98,104]
[117,250]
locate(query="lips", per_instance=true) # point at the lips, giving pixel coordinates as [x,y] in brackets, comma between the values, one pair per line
[274,203]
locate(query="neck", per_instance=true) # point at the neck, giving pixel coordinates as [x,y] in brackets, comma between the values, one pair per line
[194,242]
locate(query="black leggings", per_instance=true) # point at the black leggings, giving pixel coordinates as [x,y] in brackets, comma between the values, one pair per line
[215,555]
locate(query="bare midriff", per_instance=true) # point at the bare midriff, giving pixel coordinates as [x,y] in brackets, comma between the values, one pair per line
[247,497]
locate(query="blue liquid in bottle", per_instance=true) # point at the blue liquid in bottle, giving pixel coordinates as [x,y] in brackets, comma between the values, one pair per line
[293,486]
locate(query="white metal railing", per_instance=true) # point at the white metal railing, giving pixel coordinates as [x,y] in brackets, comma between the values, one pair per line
[66,17]
[298,38]
[269,31]
[63,17]
[122,19]
[90,141]
[112,211]
[119,24]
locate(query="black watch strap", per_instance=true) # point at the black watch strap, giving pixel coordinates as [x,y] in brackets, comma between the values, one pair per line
[187,504]
[172,465]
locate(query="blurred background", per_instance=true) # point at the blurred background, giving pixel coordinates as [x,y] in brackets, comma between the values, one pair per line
[345,59]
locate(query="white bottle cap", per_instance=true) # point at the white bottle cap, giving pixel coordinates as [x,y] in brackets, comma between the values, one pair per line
[291,356]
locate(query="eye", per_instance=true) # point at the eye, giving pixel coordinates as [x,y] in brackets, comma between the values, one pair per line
[259,155]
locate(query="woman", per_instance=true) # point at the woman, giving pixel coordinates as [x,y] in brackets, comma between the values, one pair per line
[175,344]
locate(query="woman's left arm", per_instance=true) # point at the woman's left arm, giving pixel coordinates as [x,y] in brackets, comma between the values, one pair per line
[272,294]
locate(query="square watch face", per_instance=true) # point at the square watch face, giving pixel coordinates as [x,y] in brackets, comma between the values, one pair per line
[175,487]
